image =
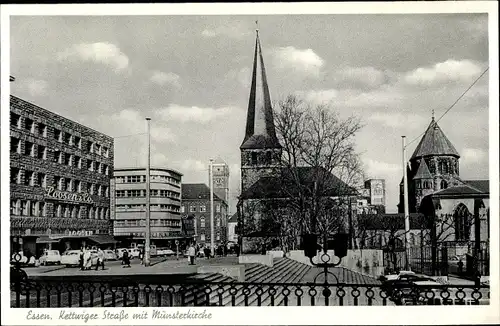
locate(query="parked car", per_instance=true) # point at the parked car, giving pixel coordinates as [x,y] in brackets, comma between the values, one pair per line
[110,255]
[71,258]
[134,252]
[406,286]
[50,257]
[119,252]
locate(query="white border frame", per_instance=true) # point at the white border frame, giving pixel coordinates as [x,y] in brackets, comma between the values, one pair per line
[268,315]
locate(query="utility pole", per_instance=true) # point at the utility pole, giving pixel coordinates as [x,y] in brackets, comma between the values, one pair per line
[147,258]
[212,233]
[407,213]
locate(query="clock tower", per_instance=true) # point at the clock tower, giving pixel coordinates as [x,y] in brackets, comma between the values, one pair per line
[220,171]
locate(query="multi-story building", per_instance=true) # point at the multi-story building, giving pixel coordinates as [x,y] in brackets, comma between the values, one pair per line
[372,199]
[59,181]
[220,175]
[196,205]
[129,200]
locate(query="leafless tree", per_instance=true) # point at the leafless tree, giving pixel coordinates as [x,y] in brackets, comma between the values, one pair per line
[321,167]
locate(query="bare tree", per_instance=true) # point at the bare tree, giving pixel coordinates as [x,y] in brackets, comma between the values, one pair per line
[321,168]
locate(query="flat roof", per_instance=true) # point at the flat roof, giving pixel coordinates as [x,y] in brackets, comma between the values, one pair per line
[115,169]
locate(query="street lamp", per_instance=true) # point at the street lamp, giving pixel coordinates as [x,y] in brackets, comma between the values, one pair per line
[147,258]
[212,233]
[406,207]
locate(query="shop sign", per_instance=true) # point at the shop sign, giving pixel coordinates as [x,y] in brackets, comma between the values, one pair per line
[81,233]
[51,192]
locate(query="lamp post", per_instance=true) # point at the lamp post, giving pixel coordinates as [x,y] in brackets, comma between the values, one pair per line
[211,182]
[147,260]
[406,207]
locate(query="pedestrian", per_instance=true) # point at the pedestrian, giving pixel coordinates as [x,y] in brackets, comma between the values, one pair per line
[100,259]
[81,258]
[206,251]
[126,259]
[191,254]
[87,259]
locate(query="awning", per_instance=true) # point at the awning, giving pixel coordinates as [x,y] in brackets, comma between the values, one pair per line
[46,239]
[102,239]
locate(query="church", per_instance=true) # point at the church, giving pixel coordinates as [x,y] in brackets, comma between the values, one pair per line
[263,177]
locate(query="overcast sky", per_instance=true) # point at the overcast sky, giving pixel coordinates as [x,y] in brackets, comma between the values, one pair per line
[191,75]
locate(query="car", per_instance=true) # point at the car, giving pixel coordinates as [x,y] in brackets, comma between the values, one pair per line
[50,257]
[71,258]
[119,252]
[168,252]
[134,252]
[407,286]
[110,255]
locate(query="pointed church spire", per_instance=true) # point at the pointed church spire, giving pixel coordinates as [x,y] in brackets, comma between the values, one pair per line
[260,131]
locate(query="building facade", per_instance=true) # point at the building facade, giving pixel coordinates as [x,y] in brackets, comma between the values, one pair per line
[60,176]
[220,175]
[129,198]
[232,223]
[196,207]
[372,199]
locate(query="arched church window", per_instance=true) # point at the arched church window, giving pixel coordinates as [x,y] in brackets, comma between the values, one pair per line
[254,158]
[444,184]
[462,218]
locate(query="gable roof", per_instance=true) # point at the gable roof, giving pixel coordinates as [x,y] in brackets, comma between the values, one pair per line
[197,191]
[423,171]
[434,142]
[285,185]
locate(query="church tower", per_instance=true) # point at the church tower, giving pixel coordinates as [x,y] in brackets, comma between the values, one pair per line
[260,150]
[434,166]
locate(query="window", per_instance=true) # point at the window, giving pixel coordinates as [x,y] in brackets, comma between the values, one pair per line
[136,178]
[202,222]
[269,157]
[120,193]
[42,130]
[57,183]
[42,152]
[67,138]
[106,191]
[444,184]
[218,222]
[25,208]
[192,209]
[98,149]
[29,125]
[254,158]
[202,237]
[68,184]
[91,212]
[105,151]
[78,186]
[42,180]
[67,159]
[217,208]
[98,167]
[203,208]
[462,218]
[15,145]
[90,165]
[136,193]
[218,236]
[105,169]
[43,209]
[90,147]
[29,149]
[78,162]
[78,142]
[15,207]
[15,175]
[99,190]
[29,178]
[15,120]
[183,209]
[58,135]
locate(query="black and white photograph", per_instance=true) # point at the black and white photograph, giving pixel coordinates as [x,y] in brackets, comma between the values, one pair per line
[174,160]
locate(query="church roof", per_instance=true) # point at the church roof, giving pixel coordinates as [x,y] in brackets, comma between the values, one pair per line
[434,142]
[196,191]
[233,219]
[283,186]
[423,171]
[463,190]
[481,185]
[260,131]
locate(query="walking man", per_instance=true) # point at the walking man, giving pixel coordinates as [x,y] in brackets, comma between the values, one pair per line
[191,254]
[81,258]
[100,259]
[126,259]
